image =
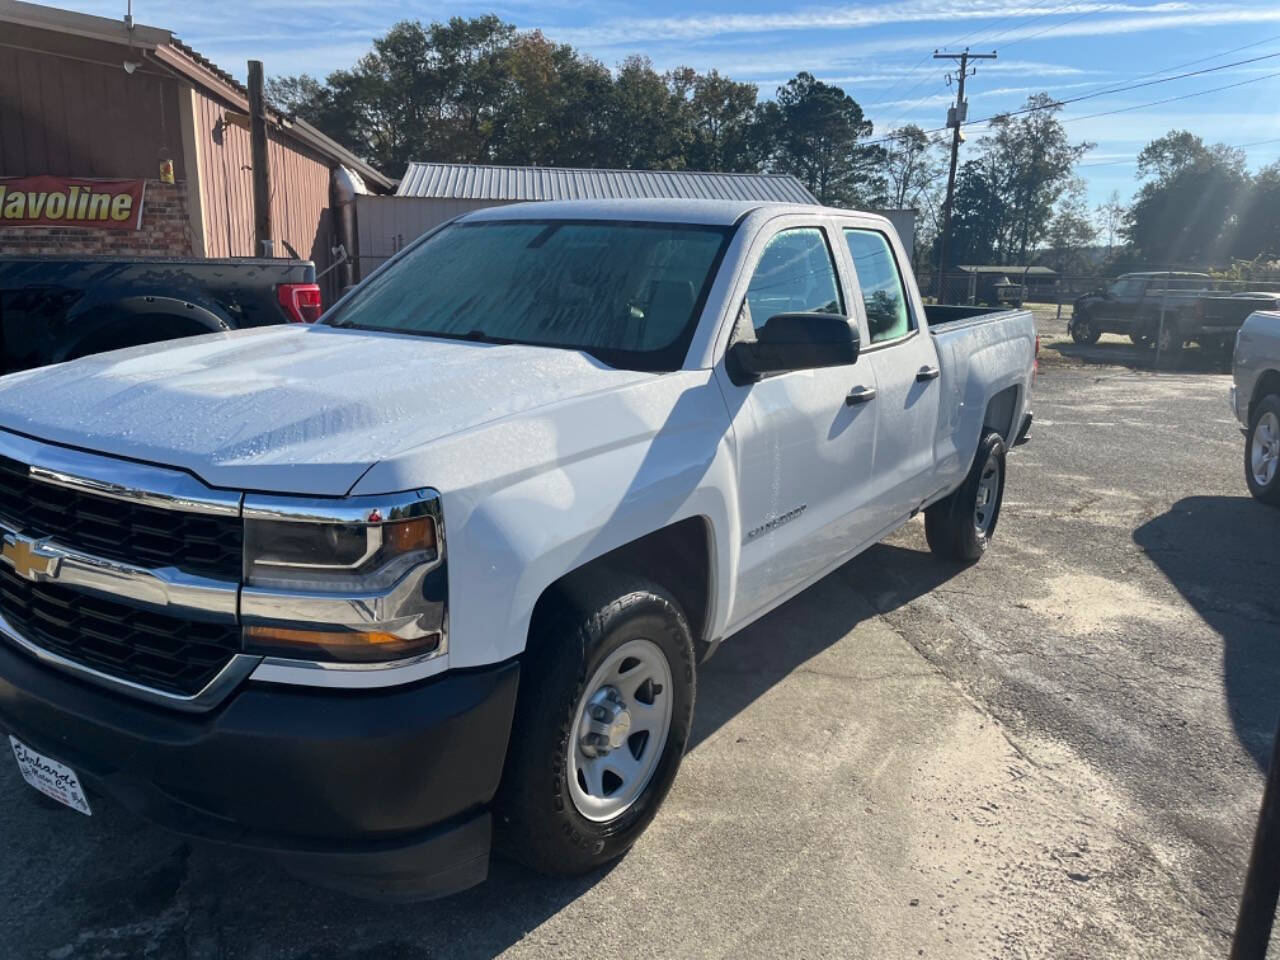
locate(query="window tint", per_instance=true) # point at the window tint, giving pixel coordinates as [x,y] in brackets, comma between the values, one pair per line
[795,275]
[882,293]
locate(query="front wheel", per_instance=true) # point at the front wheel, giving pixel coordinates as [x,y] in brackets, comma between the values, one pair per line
[960,526]
[1262,450]
[603,715]
[1085,330]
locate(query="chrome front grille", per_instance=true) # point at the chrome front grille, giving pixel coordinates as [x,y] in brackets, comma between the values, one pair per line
[209,545]
[124,574]
[174,655]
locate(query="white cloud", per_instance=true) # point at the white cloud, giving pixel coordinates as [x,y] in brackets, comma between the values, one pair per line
[632,29]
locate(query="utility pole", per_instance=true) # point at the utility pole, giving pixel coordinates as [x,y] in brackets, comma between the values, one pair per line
[261,160]
[955,119]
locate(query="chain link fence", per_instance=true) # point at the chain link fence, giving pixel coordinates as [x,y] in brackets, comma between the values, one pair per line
[1014,286]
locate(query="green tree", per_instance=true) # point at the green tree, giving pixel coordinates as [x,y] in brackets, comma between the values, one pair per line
[977,213]
[722,120]
[1071,231]
[815,129]
[1111,217]
[1187,211]
[912,168]
[1259,229]
[645,119]
[1029,163]
[555,105]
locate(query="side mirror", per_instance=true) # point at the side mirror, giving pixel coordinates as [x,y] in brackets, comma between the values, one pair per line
[794,341]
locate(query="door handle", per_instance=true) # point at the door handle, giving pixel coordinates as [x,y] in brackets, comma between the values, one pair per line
[859,395]
[927,373]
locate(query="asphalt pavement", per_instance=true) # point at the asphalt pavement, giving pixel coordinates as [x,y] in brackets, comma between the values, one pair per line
[1054,753]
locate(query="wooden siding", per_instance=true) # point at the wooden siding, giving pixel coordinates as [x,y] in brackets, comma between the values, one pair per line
[70,110]
[299,188]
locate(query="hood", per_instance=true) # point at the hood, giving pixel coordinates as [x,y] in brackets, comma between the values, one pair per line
[289,409]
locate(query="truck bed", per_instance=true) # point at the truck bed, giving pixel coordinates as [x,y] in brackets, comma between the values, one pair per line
[53,308]
[941,314]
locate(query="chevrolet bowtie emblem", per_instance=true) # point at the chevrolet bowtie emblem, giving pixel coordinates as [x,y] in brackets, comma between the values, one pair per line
[31,559]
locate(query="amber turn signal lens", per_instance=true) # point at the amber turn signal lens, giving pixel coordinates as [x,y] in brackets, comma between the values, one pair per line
[346,645]
[403,536]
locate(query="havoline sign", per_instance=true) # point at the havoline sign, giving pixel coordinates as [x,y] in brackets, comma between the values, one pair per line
[71,202]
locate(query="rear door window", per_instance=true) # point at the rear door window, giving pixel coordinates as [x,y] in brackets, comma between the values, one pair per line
[883,294]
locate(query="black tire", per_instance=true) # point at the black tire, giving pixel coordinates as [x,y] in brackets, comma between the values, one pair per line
[1141,340]
[537,821]
[1269,491]
[950,525]
[1085,330]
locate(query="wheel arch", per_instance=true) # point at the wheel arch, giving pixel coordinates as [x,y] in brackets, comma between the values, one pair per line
[132,321]
[1266,385]
[999,416]
[678,557]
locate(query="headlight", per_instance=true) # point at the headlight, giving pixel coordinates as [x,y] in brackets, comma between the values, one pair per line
[348,557]
[359,580]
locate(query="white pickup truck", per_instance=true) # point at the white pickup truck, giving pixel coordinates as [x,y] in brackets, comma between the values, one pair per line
[438,570]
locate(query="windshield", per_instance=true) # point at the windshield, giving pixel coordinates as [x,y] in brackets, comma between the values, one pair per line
[628,293]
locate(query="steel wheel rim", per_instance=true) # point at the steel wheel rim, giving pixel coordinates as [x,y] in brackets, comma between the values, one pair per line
[1264,448]
[617,738]
[988,495]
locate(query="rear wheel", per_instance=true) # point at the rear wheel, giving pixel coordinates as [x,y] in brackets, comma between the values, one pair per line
[1140,340]
[1262,450]
[960,526]
[602,719]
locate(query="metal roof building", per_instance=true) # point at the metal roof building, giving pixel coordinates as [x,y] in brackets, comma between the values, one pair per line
[465,181]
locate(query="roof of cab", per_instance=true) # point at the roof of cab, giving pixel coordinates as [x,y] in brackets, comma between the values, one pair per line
[702,212]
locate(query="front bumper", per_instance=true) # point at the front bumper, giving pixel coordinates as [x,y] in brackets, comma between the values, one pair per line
[380,792]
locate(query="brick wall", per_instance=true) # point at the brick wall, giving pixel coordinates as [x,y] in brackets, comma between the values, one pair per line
[165,232]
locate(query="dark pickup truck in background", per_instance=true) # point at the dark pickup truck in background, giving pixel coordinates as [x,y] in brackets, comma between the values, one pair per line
[1167,310]
[55,309]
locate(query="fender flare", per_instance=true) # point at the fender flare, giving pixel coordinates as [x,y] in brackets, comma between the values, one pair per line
[92,319]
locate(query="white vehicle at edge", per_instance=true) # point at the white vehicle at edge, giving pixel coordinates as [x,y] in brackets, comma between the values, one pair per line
[443,564]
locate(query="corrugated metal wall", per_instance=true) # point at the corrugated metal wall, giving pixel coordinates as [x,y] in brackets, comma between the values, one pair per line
[299,189]
[70,110]
[483,182]
[387,224]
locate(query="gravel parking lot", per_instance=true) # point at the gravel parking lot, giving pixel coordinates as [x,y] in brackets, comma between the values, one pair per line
[1055,753]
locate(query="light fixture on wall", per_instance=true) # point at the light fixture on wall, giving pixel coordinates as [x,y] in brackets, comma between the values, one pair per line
[130,66]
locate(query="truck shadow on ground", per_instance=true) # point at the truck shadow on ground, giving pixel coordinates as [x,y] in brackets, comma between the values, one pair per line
[877,581]
[141,891]
[1221,554]
[1115,351]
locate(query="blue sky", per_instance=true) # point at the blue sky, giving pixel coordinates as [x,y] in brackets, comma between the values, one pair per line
[879,52]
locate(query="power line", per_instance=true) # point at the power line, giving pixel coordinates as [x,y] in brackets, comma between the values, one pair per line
[1185,96]
[1233,146]
[1127,87]
[915,67]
